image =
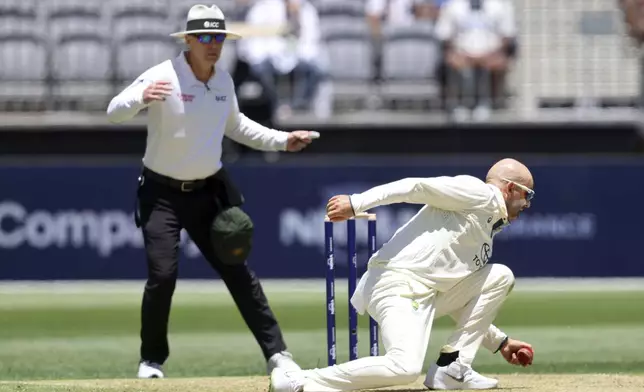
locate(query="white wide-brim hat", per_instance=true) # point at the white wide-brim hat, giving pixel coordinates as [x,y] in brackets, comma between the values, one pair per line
[206,20]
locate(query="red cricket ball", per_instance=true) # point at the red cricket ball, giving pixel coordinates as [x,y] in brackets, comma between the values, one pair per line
[525,356]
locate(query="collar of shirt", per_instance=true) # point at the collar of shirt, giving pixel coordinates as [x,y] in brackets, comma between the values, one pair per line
[503,211]
[185,72]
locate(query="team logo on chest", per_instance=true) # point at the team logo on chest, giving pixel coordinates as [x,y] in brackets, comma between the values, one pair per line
[483,257]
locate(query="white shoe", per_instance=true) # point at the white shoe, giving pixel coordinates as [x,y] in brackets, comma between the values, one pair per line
[283,360]
[150,370]
[457,376]
[283,381]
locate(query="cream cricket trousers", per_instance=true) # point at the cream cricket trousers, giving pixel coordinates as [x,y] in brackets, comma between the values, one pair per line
[405,311]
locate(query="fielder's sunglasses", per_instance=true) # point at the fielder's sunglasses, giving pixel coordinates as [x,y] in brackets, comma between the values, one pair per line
[529,193]
[208,38]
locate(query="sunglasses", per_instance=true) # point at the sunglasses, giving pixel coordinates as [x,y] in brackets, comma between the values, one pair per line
[208,38]
[529,193]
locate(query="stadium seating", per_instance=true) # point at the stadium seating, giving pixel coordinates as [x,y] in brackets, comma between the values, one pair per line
[562,62]
[414,77]
[75,16]
[75,54]
[350,62]
[18,16]
[23,68]
[81,69]
[335,14]
[23,54]
[57,53]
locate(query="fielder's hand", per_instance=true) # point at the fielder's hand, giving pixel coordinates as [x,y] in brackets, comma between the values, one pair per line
[339,208]
[509,351]
[157,91]
[297,140]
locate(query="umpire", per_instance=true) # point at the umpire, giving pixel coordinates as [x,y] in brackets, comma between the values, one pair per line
[191,105]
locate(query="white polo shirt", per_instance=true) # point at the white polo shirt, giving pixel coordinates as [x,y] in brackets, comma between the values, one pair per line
[476,32]
[185,132]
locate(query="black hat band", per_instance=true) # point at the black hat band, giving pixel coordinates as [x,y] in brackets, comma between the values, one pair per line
[206,24]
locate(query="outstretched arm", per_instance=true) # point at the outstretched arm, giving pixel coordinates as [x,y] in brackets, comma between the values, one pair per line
[254,135]
[449,193]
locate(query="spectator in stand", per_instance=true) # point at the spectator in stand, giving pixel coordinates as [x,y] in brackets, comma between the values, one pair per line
[297,51]
[479,38]
[381,13]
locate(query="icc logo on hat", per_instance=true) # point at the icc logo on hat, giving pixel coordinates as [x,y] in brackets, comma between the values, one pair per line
[208,24]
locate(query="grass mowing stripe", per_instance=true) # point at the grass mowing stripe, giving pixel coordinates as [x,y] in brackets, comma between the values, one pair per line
[305,313]
[236,354]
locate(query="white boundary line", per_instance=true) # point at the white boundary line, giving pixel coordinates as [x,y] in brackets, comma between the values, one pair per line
[307,286]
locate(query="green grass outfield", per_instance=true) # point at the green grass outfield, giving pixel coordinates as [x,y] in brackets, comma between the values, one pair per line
[90,330]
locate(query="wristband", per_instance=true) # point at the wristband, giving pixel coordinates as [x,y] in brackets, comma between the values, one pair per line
[503,343]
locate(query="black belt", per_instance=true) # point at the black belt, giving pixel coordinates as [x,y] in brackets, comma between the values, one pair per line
[183,186]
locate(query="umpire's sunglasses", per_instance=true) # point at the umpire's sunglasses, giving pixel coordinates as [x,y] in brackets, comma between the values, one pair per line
[529,193]
[208,38]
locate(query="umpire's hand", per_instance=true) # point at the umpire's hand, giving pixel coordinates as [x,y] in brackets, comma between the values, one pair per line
[297,140]
[157,91]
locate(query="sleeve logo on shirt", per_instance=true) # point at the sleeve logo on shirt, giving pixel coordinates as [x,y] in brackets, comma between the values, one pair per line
[220,98]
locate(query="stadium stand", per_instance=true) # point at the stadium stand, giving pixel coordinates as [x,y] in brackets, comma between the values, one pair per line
[336,14]
[24,63]
[409,80]
[574,52]
[350,61]
[73,55]
[80,59]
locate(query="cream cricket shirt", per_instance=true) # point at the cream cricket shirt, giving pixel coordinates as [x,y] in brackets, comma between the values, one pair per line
[449,238]
[185,132]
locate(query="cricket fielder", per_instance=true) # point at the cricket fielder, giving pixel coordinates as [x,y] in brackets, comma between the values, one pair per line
[434,265]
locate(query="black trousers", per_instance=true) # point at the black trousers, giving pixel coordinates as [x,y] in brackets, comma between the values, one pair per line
[164,211]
